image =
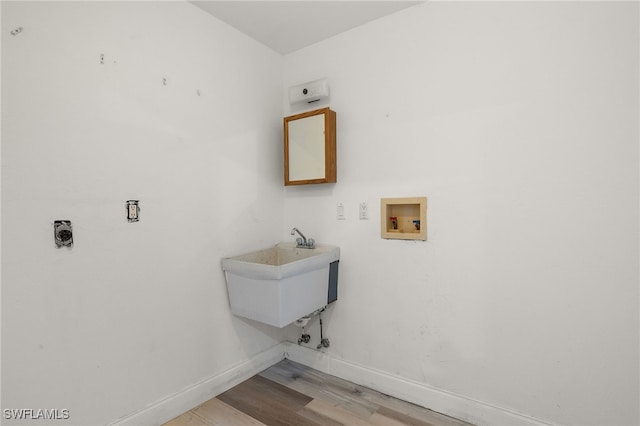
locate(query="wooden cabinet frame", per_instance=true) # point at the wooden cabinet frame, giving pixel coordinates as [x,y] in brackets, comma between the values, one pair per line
[330,163]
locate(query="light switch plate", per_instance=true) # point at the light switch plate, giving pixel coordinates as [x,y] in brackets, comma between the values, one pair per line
[364,211]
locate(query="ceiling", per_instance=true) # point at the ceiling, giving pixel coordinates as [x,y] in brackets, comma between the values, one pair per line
[286,26]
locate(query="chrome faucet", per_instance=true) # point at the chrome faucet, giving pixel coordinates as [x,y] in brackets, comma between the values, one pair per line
[303,242]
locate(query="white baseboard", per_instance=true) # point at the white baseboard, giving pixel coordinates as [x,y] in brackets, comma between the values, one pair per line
[441,401]
[167,408]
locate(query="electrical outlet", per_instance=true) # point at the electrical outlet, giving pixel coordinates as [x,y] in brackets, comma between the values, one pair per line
[133,211]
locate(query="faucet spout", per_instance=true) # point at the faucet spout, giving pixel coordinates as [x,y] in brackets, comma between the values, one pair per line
[303,242]
[304,239]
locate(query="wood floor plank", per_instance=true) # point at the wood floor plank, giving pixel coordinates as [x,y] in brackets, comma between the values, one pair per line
[321,386]
[219,413]
[379,420]
[315,417]
[336,413]
[188,419]
[426,418]
[422,416]
[423,420]
[269,402]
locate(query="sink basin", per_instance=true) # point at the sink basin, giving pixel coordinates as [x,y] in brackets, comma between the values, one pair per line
[280,284]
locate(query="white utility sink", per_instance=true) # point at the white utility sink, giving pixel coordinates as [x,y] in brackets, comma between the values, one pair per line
[280,284]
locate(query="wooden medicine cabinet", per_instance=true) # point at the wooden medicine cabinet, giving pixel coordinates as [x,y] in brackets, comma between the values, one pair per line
[310,147]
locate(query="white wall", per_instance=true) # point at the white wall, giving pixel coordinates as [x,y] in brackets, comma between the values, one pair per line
[134,312]
[519,122]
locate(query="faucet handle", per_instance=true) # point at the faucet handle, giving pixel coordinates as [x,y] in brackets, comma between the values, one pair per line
[299,241]
[311,243]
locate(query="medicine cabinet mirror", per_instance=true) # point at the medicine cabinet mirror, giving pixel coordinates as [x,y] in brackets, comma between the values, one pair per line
[310,147]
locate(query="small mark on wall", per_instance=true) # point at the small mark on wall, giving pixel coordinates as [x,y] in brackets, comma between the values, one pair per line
[16,31]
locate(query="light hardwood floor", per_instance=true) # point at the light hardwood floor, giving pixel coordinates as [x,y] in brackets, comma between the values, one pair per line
[295,395]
